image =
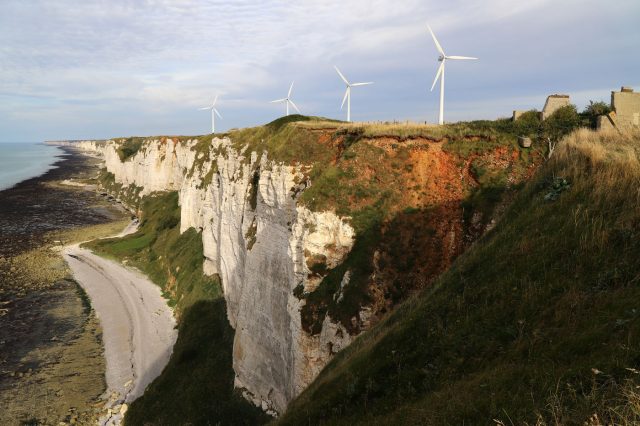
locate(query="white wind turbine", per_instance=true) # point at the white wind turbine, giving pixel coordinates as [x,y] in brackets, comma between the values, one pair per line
[442,58]
[288,100]
[347,93]
[214,112]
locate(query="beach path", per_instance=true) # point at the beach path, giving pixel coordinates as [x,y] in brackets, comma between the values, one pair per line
[138,326]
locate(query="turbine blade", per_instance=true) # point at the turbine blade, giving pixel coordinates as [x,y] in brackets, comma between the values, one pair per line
[290,89]
[214,101]
[294,105]
[342,76]
[435,80]
[200,109]
[460,57]
[346,93]
[362,84]
[435,40]
[279,100]
[217,113]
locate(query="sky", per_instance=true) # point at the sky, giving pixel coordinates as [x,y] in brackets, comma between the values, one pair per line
[101,69]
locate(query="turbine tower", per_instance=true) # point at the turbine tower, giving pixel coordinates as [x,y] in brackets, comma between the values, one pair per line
[214,112]
[288,100]
[440,74]
[347,93]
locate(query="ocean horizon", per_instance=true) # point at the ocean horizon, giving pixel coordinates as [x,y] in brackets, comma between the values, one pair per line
[20,161]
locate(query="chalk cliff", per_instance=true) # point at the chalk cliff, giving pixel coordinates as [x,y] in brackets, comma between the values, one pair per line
[258,239]
[297,282]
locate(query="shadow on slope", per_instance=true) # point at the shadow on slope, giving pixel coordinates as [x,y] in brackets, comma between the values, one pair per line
[196,386]
[537,323]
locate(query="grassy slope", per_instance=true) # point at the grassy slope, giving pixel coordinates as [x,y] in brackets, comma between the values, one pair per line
[197,385]
[129,195]
[539,321]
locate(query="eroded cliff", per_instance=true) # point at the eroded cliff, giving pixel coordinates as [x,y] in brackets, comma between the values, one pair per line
[312,249]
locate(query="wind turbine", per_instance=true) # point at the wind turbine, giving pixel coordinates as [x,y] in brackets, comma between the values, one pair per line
[443,58]
[288,100]
[347,93]
[214,112]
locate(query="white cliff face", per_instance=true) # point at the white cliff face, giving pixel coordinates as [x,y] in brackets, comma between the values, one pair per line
[160,165]
[258,239]
[89,146]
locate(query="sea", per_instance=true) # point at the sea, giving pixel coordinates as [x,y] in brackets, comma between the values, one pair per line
[23,160]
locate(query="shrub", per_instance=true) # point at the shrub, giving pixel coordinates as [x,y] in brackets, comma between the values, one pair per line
[595,110]
[528,124]
[561,123]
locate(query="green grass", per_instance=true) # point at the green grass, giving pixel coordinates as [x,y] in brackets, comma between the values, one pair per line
[283,140]
[129,147]
[129,195]
[196,386]
[538,322]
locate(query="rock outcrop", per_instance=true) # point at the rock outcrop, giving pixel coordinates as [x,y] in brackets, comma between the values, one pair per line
[258,239]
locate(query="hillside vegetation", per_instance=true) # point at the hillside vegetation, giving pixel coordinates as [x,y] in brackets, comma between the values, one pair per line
[537,323]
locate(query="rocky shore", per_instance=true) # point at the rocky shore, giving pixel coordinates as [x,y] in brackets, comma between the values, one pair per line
[51,356]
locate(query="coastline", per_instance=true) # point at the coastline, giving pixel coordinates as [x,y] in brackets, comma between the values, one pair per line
[51,356]
[15,170]
[139,329]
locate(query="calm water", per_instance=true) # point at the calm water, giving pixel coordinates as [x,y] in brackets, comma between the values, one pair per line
[24,160]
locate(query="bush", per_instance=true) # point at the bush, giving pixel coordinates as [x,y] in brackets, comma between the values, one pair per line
[528,124]
[595,110]
[562,122]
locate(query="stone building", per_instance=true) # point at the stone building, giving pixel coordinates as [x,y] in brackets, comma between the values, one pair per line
[517,114]
[553,103]
[625,106]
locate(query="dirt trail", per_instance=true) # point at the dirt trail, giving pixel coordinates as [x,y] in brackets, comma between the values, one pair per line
[138,325]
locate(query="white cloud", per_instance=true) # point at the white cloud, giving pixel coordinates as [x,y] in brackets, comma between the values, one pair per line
[158,56]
